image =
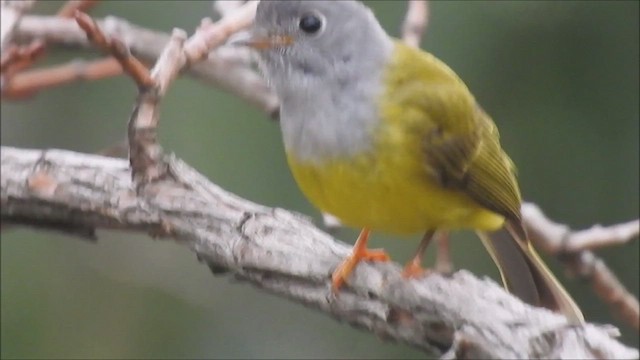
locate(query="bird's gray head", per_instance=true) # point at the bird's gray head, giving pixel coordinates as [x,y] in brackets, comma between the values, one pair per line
[301,42]
[325,60]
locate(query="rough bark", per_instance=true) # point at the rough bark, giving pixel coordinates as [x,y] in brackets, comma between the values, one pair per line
[458,317]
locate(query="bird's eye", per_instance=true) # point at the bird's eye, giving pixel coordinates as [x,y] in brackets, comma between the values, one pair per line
[310,23]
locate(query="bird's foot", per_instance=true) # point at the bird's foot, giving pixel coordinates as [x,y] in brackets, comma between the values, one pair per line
[413,270]
[347,266]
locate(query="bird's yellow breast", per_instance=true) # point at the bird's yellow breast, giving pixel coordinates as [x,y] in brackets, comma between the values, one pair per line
[388,190]
[388,186]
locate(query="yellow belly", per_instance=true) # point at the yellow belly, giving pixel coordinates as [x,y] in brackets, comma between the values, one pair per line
[387,187]
[388,191]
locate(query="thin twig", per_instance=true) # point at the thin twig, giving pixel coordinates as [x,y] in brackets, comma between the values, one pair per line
[559,239]
[220,69]
[210,35]
[132,66]
[556,239]
[30,82]
[145,153]
[16,58]
[10,13]
[598,237]
[415,22]
[68,10]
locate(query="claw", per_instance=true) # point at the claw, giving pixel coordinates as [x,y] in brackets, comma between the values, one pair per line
[359,253]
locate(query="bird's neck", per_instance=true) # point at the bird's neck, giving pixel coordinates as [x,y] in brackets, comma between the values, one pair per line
[334,116]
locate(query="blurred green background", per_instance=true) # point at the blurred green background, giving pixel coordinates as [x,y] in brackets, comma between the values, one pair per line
[559,78]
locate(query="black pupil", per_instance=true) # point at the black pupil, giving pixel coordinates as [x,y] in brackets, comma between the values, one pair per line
[310,24]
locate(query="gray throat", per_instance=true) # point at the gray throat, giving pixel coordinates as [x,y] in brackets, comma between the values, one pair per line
[333,114]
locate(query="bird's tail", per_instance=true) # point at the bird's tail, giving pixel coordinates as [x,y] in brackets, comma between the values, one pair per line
[525,275]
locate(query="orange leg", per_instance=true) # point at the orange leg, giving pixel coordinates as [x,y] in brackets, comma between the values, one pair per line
[414,269]
[359,253]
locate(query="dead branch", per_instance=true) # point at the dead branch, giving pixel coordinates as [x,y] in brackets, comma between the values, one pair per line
[69,9]
[415,22]
[220,68]
[30,82]
[16,56]
[31,52]
[210,35]
[284,254]
[145,153]
[558,239]
[10,13]
[132,66]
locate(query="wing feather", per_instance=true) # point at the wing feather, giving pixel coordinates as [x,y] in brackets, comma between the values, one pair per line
[461,144]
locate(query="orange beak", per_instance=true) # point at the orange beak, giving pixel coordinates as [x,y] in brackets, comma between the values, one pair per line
[264,42]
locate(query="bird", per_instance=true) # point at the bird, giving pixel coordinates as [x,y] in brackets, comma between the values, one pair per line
[387,138]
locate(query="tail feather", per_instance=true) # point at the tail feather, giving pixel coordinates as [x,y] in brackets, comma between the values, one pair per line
[524,273]
[514,268]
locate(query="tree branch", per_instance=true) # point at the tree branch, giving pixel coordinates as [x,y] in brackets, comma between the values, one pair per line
[559,238]
[572,249]
[220,68]
[284,254]
[22,59]
[415,22]
[10,14]
[30,82]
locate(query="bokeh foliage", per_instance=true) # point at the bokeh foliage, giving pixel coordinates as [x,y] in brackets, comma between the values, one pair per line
[559,78]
